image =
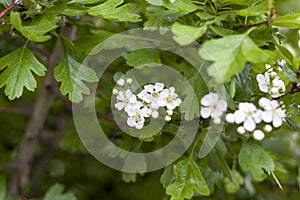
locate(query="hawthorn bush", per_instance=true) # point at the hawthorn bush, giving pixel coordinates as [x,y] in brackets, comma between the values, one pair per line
[243,78]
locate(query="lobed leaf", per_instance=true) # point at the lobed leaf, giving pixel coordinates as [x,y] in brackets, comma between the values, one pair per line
[255,159]
[18,67]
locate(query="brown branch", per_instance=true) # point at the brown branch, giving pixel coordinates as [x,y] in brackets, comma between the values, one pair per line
[27,148]
[295,89]
[6,10]
[18,111]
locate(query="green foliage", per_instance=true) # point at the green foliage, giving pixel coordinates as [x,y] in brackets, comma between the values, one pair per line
[18,67]
[142,58]
[71,74]
[110,10]
[235,39]
[188,178]
[255,159]
[56,192]
[231,54]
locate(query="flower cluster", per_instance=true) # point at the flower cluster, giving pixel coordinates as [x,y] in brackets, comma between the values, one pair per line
[146,103]
[270,83]
[249,116]
[213,106]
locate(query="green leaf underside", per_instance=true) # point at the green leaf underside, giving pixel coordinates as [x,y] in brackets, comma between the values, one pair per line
[56,192]
[71,74]
[140,58]
[185,35]
[17,73]
[188,178]
[255,159]
[231,54]
[110,10]
[182,5]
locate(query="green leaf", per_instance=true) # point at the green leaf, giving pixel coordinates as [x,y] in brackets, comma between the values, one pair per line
[231,54]
[129,177]
[238,2]
[222,31]
[17,71]
[85,1]
[155,2]
[162,18]
[75,10]
[234,186]
[168,176]
[37,29]
[259,9]
[110,10]
[185,35]
[188,178]
[140,58]
[180,5]
[56,192]
[291,20]
[255,159]
[193,89]
[71,74]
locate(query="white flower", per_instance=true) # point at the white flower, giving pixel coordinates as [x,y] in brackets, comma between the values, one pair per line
[169,112]
[258,135]
[213,106]
[121,82]
[136,118]
[241,130]
[151,94]
[125,99]
[281,63]
[247,114]
[169,98]
[272,112]
[148,110]
[270,83]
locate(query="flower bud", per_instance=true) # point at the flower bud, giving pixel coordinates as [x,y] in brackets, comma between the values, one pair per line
[258,135]
[115,91]
[167,118]
[241,130]
[129,81]
[121,82]
[268,128]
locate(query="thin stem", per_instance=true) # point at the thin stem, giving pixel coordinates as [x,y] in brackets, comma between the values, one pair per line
[6,10]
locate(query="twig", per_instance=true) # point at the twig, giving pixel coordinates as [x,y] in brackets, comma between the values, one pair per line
[6,10]
[27,148]
[18,111]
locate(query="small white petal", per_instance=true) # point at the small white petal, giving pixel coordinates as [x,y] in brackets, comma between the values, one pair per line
[167,118]
[263,102]
[159,87]
[267,116]
[239,116]
[121,82]
[249,124]
[217,120]
[131,122]
[129,81]
[258,135]
[215,113]
[222,105]
[277,122]
[139,125]
[260,78]
[205,112]
[119,105]
[169,112]
[230,118]
[241,130]
[115,91]
[154,114]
